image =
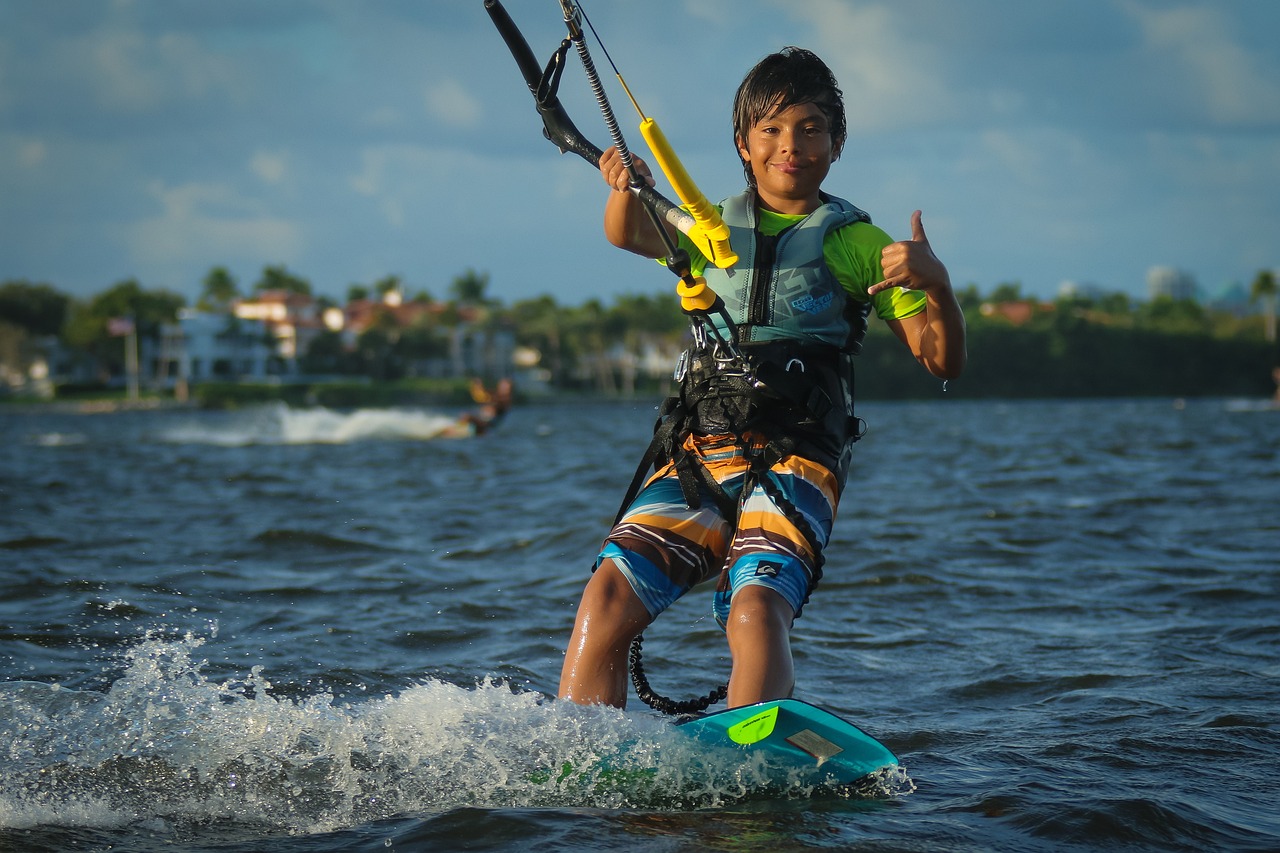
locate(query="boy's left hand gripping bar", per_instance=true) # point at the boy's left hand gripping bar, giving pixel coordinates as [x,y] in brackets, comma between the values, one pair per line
[556,124]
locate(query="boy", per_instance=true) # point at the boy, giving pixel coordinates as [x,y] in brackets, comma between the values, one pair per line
[757,447]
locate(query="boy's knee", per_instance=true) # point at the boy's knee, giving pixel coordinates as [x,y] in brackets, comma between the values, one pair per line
[609,595]
[759,608]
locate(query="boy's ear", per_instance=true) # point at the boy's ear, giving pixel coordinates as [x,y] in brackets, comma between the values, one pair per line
[743,151]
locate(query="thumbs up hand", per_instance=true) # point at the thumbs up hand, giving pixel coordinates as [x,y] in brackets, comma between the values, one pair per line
[911,264]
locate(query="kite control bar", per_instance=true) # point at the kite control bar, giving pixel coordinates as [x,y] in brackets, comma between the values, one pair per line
[556,124]
[712,227]
[703,226]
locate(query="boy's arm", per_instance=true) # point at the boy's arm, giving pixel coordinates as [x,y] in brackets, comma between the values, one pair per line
[626,224]
[935,336]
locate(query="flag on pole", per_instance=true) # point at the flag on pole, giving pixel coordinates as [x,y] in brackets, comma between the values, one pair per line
[118,327]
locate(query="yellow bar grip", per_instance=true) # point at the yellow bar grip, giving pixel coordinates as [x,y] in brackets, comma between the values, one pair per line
[704,213]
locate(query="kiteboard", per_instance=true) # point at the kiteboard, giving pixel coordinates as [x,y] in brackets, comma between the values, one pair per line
[810,744]
[789,744]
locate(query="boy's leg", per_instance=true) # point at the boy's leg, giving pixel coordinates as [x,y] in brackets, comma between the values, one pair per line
[658,551]
[759,630]
[610,616]
[767,580]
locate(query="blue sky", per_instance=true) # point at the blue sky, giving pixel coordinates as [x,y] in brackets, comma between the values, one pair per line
[1046,141]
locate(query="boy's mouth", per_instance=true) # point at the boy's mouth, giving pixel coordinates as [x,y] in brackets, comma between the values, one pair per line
[787,167]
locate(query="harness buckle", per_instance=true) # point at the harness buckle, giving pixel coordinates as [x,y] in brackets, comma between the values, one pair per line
[682,366]
[699,336]
[729,365]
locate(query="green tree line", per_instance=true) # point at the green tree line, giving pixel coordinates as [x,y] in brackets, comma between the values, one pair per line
[1102,346]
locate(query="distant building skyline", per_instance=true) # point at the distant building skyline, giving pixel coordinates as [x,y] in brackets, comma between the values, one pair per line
[1170,282]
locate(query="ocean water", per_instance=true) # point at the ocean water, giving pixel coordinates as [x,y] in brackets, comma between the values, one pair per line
[305,630]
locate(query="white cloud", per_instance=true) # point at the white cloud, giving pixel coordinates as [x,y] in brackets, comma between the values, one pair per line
[368,181]
[117,71]
[202,223]
[391,174]
[134,72]
[32,153]
[889,78]
[713,11]
[383,117]
[1035,160]
[1230,84]
[269,166]
[412,185]
[450,102]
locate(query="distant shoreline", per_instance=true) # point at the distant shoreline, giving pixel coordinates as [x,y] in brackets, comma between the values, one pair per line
[105,406]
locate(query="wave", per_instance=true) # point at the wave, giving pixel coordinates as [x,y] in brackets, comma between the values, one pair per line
[1252,404]
[165,744]
[57,439]
[296,540]
[278,423]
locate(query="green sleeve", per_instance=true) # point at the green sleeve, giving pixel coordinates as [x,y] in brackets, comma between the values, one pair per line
[853,254]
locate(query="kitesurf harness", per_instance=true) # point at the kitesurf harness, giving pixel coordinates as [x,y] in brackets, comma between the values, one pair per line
[786,388]
[775,397]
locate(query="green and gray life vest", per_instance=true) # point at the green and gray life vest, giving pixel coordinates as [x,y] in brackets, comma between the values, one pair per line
[781,287]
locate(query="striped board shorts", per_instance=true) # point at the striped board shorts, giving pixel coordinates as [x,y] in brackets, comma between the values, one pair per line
[664,548]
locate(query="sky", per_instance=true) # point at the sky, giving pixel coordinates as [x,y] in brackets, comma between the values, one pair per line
[1053,141]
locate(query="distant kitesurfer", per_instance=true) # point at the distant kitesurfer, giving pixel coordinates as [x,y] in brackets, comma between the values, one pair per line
[493,407]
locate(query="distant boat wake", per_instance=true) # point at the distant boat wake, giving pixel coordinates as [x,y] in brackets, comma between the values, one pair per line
[280,424]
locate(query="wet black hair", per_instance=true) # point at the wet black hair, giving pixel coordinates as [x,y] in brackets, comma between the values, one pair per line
[782,80]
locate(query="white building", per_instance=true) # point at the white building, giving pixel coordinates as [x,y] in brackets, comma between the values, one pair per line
[1080,290]
[293,319]
[202,347]
[1170,282]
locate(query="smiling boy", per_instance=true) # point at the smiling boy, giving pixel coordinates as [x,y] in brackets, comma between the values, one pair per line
[757,447]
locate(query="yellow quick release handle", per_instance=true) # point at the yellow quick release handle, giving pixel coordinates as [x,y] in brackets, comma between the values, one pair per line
[708,232]
[711,234]
[696,296]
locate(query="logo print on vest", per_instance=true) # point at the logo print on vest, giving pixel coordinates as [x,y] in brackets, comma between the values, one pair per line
[813,304]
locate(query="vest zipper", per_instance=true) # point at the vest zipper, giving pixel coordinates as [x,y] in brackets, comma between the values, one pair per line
[762,279]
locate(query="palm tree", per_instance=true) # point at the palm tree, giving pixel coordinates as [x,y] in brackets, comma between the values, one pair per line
[469,287]
[538,326]
[218,291]
[278,277]
[388,285]
[1264,290]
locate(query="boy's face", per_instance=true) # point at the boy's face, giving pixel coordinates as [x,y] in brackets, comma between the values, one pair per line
[790,153]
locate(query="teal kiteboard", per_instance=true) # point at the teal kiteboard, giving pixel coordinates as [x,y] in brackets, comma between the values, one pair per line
[788,744]
[818,746]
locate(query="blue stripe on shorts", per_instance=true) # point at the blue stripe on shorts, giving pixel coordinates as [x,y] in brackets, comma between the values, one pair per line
[655,590]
